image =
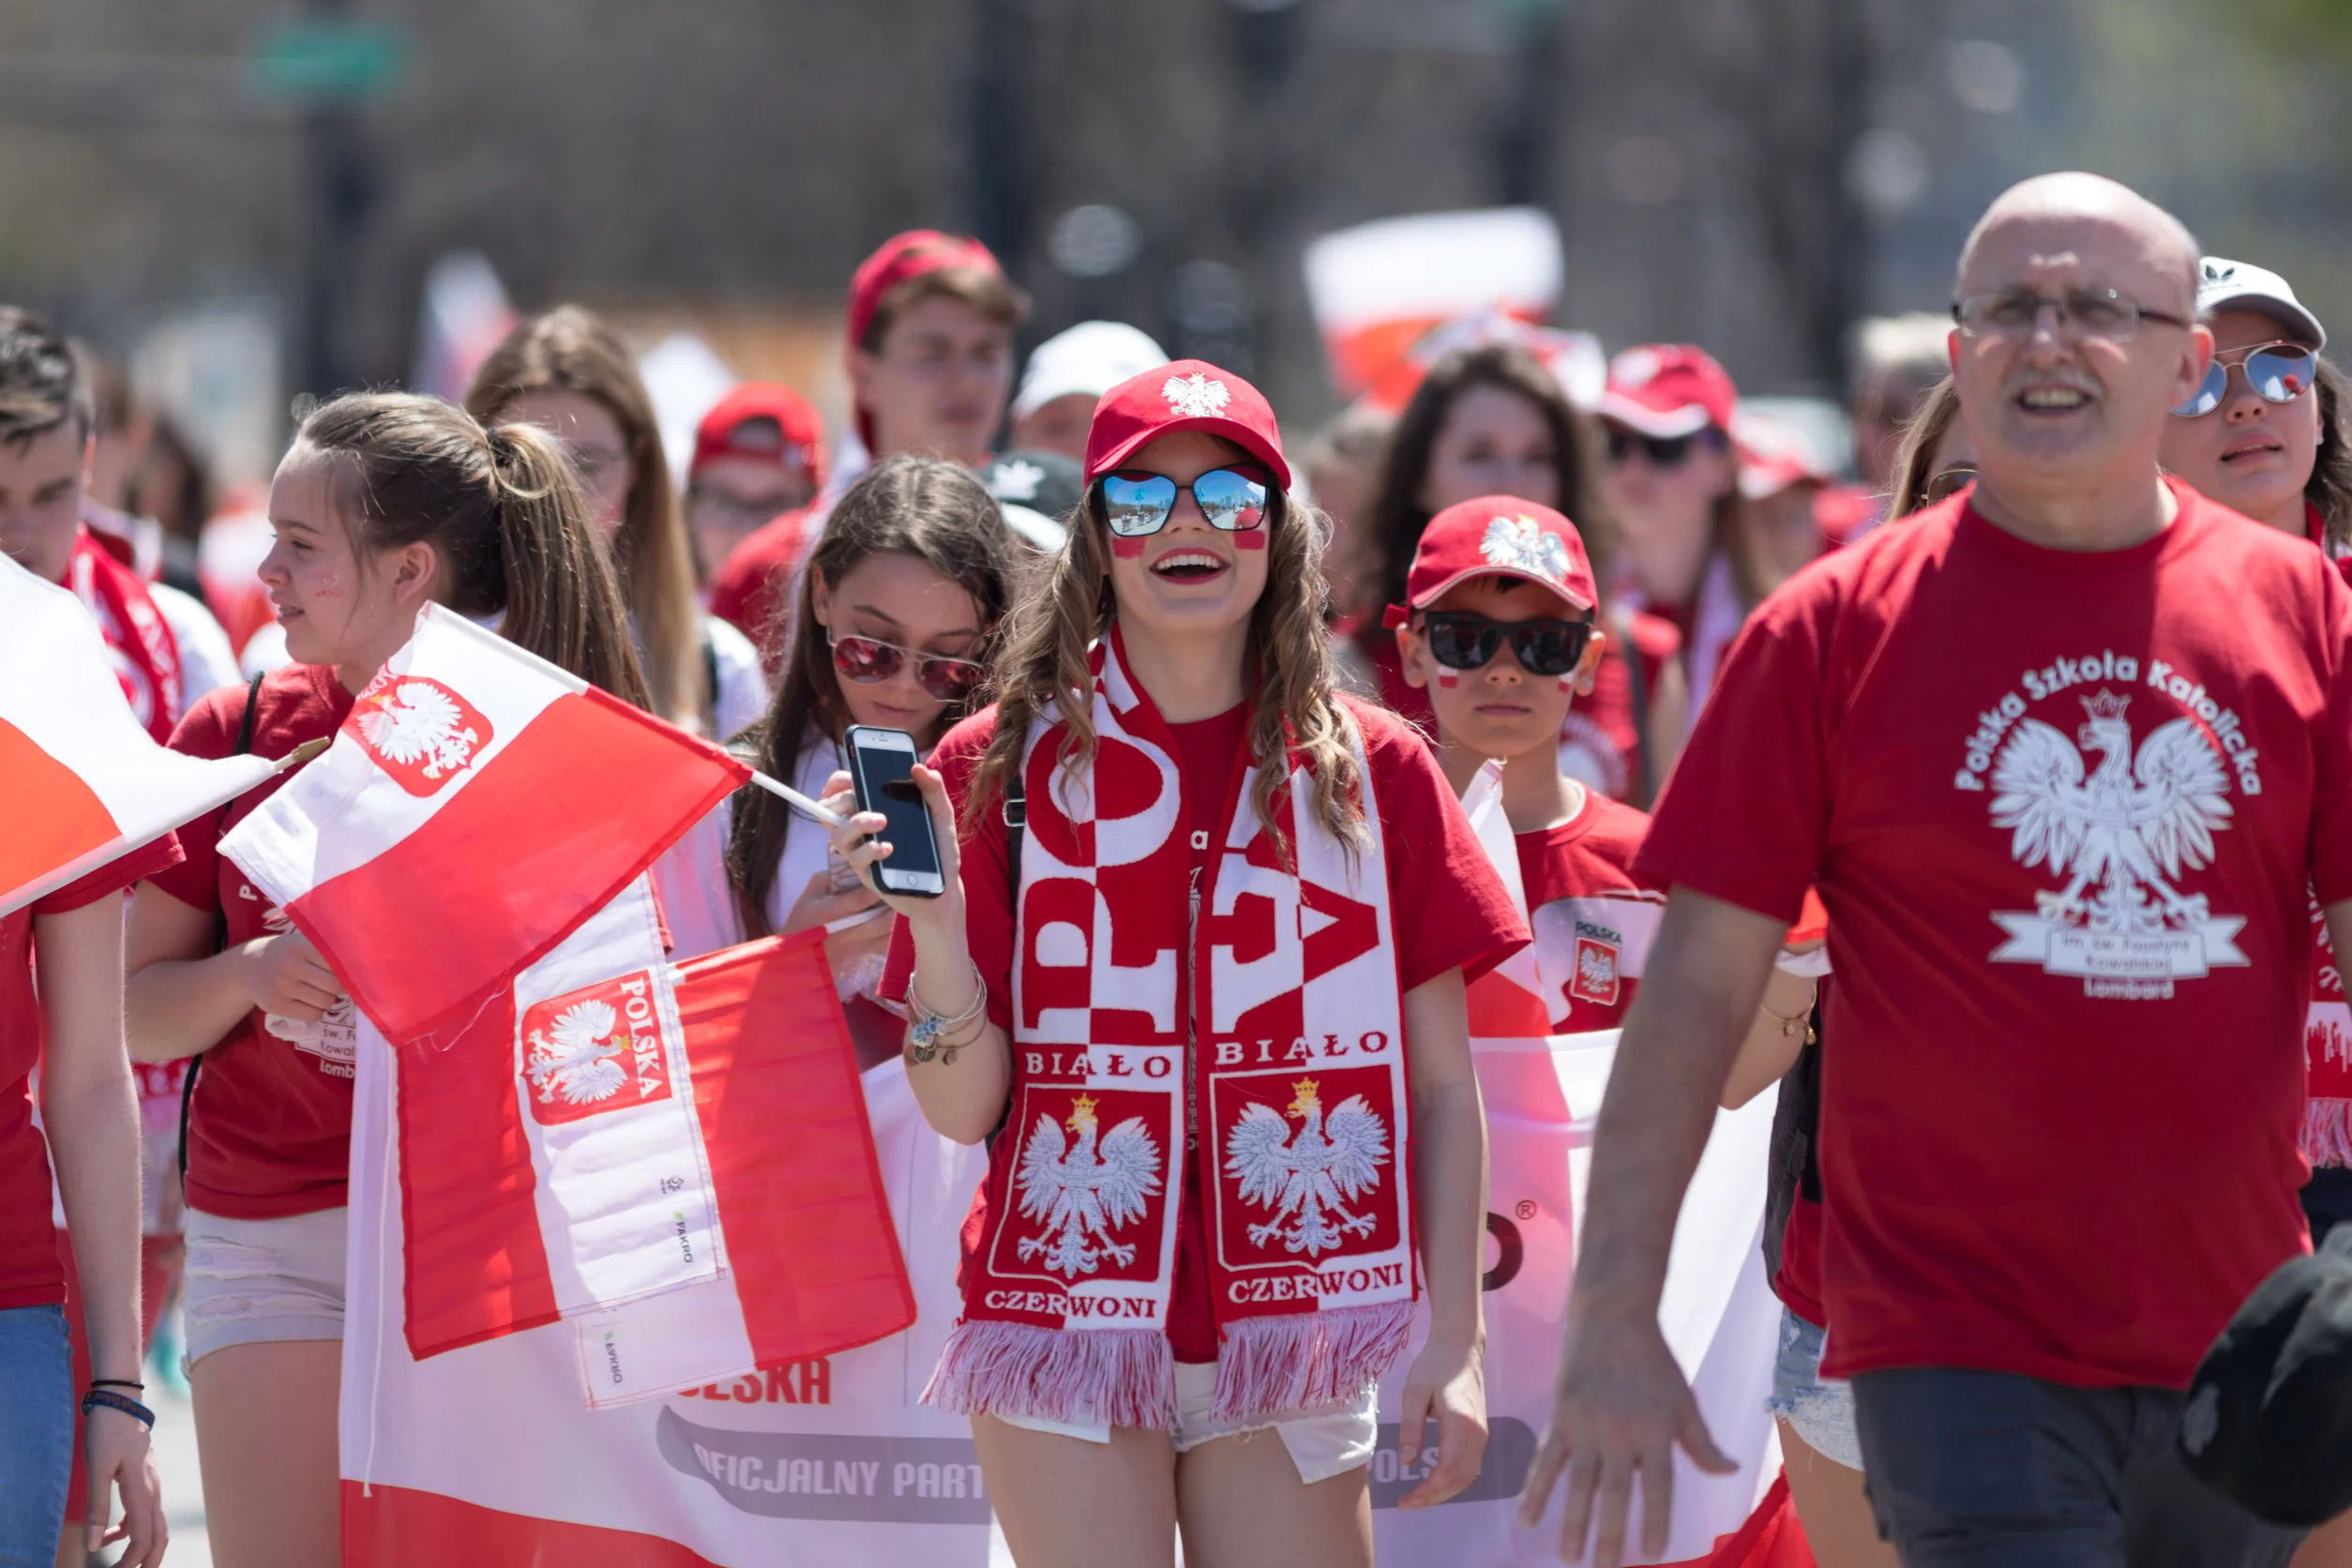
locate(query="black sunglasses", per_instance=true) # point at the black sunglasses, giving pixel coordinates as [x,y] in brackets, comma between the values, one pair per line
[1659,451]
[1460,640]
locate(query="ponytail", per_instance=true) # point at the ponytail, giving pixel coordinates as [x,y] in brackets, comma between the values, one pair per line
[504,512]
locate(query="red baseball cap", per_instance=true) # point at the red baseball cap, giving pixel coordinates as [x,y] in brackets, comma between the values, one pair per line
[1498,535]
[904,256]
[762,421]
[1187,395]
[1668,389]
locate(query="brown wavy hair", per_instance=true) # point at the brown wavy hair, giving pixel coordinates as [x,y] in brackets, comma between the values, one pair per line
[2330,487]
[501,507]
[1043,670]
[932,510]
[1398,517]
[570,349]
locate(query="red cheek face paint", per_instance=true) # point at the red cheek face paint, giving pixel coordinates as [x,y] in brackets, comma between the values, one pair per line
[1567,687]
[1251,538]
[1127,549]
[1449,680]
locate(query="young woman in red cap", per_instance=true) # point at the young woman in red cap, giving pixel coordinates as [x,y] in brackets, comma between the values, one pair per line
[1207,1008]
[1492,420]
[1673,481]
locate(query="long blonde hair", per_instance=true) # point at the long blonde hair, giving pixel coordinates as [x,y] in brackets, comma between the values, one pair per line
[570,349]
[1043,670]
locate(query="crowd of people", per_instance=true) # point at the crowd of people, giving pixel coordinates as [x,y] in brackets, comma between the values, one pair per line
[2001,793]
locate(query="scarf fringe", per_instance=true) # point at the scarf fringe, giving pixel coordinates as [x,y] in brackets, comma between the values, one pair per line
[1124,1376]
[1308,1359]
[2328,1132]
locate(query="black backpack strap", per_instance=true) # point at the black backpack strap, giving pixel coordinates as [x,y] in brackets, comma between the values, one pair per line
[710,670]
[1016,828]
[220,923]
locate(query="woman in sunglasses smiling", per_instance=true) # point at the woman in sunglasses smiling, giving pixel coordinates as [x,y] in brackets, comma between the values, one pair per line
[1207,1010]
[2265,434]
[890,628]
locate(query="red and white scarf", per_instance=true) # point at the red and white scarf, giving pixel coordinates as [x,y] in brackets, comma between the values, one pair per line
[1287,1079]
[145,655]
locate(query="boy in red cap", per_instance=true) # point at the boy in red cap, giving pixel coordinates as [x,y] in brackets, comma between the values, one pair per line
[758,452]
[1497,628]
[930,360]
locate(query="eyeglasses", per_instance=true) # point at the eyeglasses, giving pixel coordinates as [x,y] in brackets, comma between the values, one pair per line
[1138,503]
[1460,640]
[2088,312]
[2280,371]
[1948,482]
[869,661]
[1659,451]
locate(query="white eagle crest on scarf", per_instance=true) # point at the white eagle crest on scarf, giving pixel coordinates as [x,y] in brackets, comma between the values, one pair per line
[1521,545]
[575,1057]
[1194,397]
[1083,1190]
[415,721]
[1306,1177]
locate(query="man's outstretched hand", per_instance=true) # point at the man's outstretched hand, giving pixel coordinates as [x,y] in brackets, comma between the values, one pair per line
[1619,1407]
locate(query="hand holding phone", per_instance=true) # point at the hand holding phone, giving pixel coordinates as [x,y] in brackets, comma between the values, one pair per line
[902,857]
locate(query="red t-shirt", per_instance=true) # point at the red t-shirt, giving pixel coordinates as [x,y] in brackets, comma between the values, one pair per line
[2058,1137]
[29,1272]
[1600,740]
[269,1124]
[1448,908]
[752,588]
[1593,917]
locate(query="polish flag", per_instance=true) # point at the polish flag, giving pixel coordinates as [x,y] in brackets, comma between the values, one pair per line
[596,1140]
[479,804]
[86,783]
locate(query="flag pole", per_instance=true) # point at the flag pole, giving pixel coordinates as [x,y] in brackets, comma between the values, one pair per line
[303,753]
[795,799]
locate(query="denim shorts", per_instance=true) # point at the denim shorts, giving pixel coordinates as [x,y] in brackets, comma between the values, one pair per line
[35,1433]
[1820,1409]
[1322,1442]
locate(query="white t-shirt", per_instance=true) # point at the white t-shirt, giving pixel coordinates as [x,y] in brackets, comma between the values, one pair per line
[697,901]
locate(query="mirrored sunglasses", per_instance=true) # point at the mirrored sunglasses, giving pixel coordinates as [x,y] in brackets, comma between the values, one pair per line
[1948,482]
[1136,504]
[2279,371]
[869,660]
[1460,640]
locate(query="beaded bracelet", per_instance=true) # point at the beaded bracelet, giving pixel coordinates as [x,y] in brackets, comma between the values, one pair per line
[123,1402]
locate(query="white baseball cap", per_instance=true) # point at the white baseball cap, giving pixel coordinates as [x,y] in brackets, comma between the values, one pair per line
[1089,358]
[2226,285]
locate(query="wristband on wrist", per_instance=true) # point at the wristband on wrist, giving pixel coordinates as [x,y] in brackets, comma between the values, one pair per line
[117,1382]
[107,1398]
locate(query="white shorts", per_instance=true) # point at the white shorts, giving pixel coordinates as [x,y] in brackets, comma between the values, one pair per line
[1324,1441]
[251,1281]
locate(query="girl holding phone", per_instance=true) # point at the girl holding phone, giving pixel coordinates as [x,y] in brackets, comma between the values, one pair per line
[1208,1010]
[385,501]
[890,628]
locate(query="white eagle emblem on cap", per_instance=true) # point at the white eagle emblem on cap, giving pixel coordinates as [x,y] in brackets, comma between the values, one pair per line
[1521,545]
[1194,397]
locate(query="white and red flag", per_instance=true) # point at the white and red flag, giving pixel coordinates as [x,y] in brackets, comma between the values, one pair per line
[478,805]
[595,1138]
[84,783]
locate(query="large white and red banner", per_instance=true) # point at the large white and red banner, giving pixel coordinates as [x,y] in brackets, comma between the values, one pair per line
[491,1454]
[478,805]
[82,782]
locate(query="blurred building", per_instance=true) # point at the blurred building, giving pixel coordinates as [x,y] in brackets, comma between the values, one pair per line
[1747,173]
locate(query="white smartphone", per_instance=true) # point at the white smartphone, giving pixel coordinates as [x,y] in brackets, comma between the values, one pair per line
[882,767]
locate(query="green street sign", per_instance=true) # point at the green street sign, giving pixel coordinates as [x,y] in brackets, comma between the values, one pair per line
[329,62]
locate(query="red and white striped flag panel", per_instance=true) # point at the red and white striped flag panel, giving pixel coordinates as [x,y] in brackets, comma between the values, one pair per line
[82,782]
[477,804]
